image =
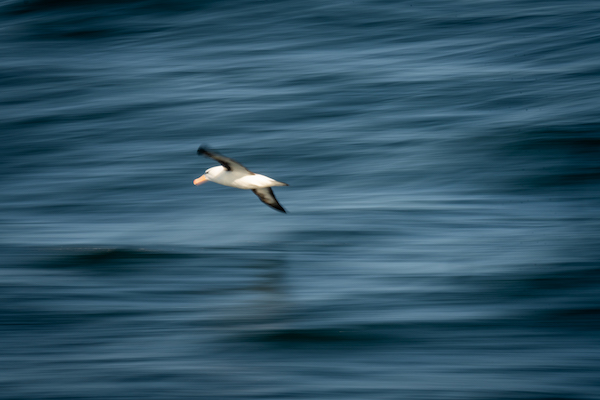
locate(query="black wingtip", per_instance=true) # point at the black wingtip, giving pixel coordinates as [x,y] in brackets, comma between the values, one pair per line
[277,207]
[202,151]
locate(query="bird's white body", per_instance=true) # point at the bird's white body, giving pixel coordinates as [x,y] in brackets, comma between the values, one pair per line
[239,179]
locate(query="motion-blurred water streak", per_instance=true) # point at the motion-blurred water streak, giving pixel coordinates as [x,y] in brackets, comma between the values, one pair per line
[441,241]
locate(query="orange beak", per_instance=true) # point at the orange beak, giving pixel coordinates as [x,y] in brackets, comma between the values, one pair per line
[200,181]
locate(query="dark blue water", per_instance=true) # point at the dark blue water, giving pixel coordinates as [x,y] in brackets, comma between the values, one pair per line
[442,235]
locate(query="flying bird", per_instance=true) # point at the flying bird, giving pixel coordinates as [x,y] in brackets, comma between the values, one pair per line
[232,173]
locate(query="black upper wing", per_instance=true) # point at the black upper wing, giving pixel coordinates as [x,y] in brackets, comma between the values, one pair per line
[228,163]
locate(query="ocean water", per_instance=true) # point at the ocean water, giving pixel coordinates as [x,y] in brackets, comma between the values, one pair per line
[442,234]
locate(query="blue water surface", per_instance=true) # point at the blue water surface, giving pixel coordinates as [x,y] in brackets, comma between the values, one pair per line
[441,240]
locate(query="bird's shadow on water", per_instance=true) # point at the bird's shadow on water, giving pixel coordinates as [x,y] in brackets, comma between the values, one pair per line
[252,288]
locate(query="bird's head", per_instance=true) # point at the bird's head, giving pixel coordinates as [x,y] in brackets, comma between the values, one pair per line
[209,174]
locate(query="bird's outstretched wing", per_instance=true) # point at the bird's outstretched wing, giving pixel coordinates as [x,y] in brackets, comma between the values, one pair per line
[228,163]
[266,196]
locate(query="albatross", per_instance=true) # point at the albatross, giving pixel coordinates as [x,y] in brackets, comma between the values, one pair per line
[232,173]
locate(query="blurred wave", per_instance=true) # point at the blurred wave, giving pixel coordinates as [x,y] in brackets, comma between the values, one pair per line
[441,240]
[170,316]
